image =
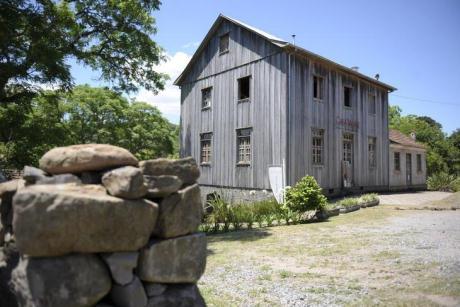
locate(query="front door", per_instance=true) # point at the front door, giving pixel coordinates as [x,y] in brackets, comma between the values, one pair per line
[409,169]
[347,168]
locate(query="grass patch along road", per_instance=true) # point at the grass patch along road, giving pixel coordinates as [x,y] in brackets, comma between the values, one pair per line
[375,256]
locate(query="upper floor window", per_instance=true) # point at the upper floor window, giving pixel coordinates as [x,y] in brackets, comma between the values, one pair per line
[206,98]
[318,90]
[244,146]
[372,107]
[224,42]
[397,161]
[244,88]
[347,96]
[419,162]
[206,148]
[317,145]
[372,144]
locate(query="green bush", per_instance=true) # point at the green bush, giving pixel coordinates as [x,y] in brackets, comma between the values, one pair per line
[348,202]
[305,196]
[443,182]
[366,198]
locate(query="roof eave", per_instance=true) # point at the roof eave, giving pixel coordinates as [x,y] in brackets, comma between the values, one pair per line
[294,48]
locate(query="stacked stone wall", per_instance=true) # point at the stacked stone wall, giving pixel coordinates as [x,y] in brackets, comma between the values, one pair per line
[93,226]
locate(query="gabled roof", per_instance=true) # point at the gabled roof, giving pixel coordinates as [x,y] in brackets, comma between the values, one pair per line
[402,139]
[280,43]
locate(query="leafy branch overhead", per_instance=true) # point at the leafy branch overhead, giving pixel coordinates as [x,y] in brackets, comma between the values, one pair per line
[38,37]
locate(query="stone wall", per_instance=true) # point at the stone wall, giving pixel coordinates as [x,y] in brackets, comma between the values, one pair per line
[95,227]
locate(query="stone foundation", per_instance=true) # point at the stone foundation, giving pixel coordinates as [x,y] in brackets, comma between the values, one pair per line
[94,227]
[235,195]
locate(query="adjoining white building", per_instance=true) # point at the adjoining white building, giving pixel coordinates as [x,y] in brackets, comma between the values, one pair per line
[407,162]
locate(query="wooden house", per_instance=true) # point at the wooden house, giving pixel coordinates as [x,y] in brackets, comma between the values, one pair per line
[250,100]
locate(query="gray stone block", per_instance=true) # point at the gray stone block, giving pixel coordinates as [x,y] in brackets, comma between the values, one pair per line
[130,295]
[121,266]
[178,260]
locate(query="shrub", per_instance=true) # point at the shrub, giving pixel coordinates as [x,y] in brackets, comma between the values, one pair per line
[348,202]
[237,216]
[366,198]
[306,195]
[456,185]
[265,211]
[443,182]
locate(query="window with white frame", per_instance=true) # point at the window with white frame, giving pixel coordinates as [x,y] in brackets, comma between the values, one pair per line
[397,161]
[206,147]
[317,145]
[318,88]
[372,107]
[419,162]
[224,42]
[348,147]
[206,98]
[372,144]
[244,145]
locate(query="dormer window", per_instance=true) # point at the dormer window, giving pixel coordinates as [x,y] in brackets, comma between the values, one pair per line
[224,42]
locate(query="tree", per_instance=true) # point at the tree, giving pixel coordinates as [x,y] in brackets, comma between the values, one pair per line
[38,37]
[87,115]
[442,153]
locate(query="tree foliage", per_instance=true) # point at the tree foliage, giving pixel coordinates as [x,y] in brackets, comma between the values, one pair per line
[443,154]
[38,37]
[87,115]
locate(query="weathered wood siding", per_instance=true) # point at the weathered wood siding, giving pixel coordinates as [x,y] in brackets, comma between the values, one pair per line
[281,113]
[249,55]
[245,47]
[306,113]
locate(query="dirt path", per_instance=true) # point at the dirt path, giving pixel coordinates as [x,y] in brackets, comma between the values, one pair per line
[412,198]
[375,256]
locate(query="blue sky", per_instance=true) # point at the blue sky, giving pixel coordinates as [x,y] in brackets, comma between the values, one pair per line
[413,45]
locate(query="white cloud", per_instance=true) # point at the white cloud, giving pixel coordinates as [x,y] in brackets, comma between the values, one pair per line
[168,100]
[191,45]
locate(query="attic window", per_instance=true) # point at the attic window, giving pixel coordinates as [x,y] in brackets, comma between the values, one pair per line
[224,41]
[244,88]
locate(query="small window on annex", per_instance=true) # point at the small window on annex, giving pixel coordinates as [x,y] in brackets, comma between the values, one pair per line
[372,143]
[318,90]
[244,88]
[206,98]
[317,145]
[224,42]
[397,161]
[347,96]
[419,162]
[372,107]
[206,149]
[244,146]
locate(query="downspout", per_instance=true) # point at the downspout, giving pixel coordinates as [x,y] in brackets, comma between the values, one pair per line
[288,98]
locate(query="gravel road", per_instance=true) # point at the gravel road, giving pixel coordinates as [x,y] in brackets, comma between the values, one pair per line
[373,256]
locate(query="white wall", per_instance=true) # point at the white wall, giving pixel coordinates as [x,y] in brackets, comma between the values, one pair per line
[398,178]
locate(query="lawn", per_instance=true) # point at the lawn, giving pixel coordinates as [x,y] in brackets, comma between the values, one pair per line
[375,256]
